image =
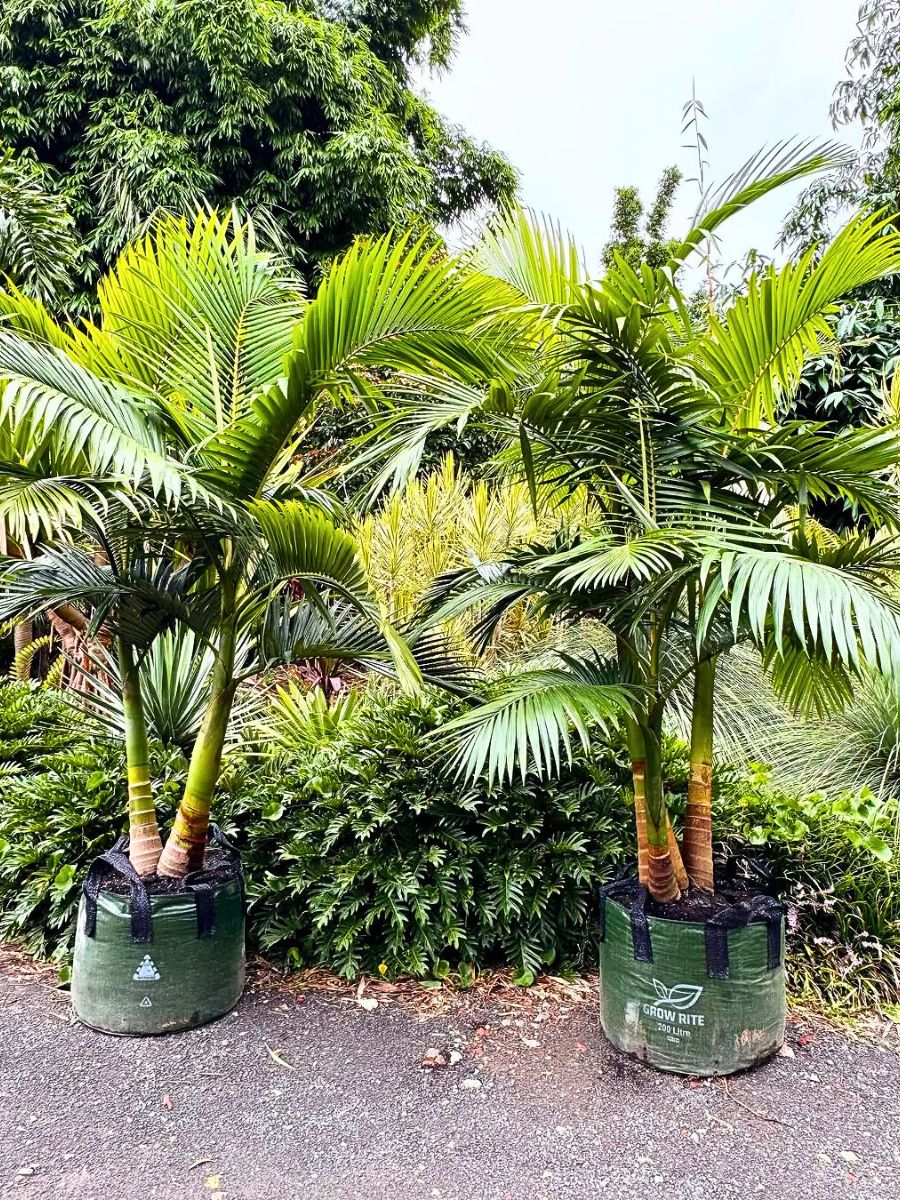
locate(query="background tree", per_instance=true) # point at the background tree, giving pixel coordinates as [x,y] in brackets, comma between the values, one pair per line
[869,96]
[303,110]
[37,242]
[627,238]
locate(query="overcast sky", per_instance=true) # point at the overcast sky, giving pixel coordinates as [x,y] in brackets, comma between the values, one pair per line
[585,95]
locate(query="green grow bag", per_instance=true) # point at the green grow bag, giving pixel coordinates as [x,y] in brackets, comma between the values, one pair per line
[149,964]
[694,998]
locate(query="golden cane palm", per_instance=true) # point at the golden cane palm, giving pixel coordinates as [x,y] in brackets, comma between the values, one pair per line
[192,391]
[674,430]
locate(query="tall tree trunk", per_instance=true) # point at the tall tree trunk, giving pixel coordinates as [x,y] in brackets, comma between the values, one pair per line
[186,844]
[661,880]
[698,851]
[23,636]
[145,843]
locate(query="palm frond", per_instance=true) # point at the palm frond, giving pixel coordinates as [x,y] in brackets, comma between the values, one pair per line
[526,728]
[754,355]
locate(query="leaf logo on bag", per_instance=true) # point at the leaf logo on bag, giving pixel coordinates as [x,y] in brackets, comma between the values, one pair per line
[681,996]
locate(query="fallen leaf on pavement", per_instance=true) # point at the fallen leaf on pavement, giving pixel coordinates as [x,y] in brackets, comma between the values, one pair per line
[282,1062]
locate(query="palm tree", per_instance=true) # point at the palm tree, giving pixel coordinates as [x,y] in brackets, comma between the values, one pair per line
[160,451]
[674,426]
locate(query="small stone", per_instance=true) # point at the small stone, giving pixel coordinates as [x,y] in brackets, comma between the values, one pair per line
[471,1084]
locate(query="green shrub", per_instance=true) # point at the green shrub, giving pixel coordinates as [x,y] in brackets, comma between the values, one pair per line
[64,805]
[361,856]
[833,860]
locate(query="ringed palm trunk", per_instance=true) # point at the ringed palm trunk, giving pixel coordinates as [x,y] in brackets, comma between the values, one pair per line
[145,845]
[639,777]
[698,855]
[23,636]
[662,879]
[186,843]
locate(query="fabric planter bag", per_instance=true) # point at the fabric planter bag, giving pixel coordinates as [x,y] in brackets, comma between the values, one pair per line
[149,964]
[693,998]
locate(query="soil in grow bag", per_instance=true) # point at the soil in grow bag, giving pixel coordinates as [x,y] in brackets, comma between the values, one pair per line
[699,991]
[155,955]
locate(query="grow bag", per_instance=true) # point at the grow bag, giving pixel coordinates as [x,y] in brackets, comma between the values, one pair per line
[691,997]
[148,964]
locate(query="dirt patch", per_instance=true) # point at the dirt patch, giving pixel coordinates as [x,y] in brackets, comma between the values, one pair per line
[694,905]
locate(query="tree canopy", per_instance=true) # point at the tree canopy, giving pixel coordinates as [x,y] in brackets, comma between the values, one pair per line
[868,97]
[302,110]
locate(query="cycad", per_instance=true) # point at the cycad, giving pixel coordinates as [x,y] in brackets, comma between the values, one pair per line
[184,407]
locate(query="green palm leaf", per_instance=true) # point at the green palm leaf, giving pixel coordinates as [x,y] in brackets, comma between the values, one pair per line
[527,727]
[753,356]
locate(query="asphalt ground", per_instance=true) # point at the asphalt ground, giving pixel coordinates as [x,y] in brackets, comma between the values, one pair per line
[311,1095]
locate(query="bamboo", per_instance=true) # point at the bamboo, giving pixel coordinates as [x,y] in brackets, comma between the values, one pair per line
[697,841]
[145,845]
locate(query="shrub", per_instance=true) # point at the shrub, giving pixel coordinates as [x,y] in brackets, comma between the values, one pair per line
[832,859]
[363,857]
[63,805]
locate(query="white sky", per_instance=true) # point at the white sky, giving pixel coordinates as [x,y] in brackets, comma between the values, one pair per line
[586,95]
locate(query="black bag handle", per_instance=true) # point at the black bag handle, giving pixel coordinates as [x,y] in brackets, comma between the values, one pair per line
[640,926]
[763,908]
[197,883]
[118,861]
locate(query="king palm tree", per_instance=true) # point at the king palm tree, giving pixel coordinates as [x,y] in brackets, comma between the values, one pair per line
[675,427]
[159,453]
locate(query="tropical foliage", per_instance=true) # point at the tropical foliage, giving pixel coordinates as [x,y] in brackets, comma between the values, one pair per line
[362,856]
[38,248]
[156,455]
[303,113]
[679,434]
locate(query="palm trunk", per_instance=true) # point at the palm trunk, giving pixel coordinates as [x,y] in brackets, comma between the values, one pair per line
[698,855]
[186,844]
[145,845]
[638,775]
[681,875]
[23,636]
[661,878]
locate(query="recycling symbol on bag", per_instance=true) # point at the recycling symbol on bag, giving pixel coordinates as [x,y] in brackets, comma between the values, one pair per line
[146,971]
